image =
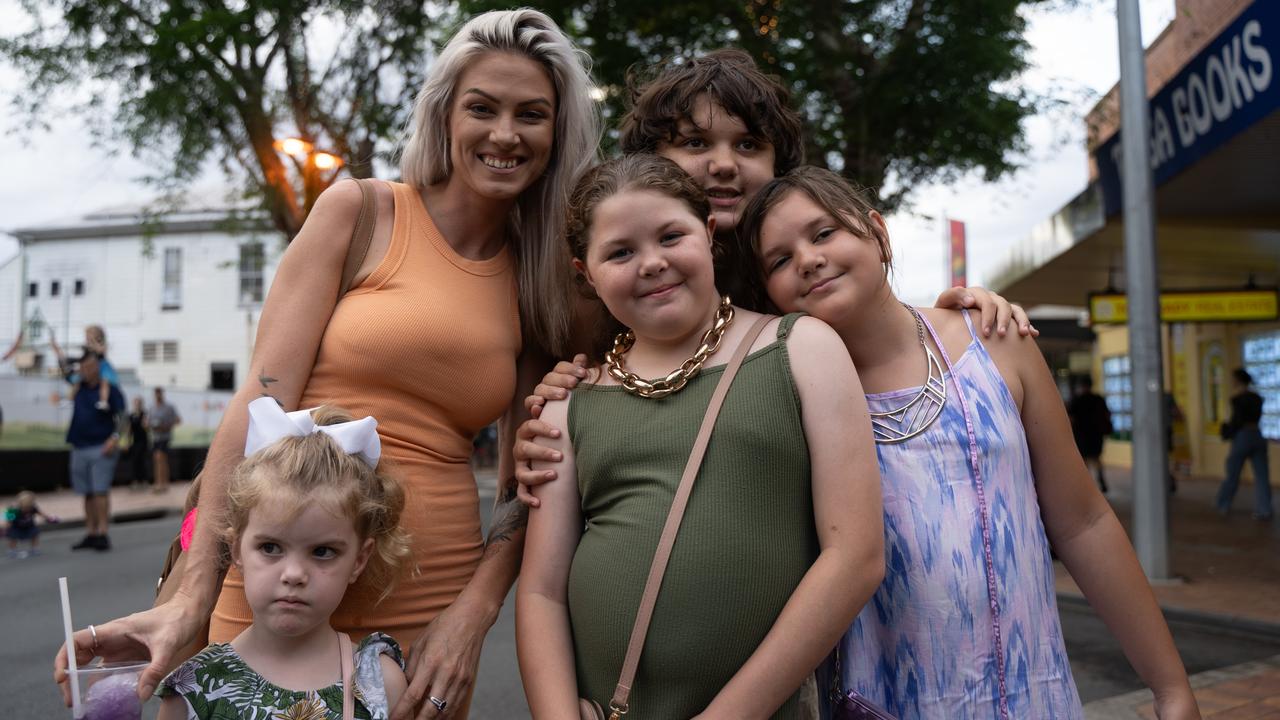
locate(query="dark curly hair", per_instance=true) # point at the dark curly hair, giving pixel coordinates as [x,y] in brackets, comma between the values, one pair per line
[660,99]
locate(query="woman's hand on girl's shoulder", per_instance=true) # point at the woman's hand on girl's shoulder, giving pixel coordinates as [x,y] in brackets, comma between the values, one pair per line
[528,451]
[555,386]
[992,309]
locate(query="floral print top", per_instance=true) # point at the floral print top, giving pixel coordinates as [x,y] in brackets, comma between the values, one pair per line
[218,685]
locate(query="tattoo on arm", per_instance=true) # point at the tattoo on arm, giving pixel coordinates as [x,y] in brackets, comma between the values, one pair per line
[510,516]
[265,381]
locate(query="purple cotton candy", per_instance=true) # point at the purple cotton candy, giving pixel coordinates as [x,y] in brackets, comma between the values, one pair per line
[114,698]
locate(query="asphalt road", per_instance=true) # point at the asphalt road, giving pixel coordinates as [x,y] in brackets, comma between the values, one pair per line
[108,585]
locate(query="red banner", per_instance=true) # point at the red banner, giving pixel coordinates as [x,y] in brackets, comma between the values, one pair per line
[959,278]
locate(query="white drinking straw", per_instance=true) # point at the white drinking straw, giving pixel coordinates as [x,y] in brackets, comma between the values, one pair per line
[71,648]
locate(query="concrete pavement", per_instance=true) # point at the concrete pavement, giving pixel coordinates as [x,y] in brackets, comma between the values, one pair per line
[1229,570]
[1228,577]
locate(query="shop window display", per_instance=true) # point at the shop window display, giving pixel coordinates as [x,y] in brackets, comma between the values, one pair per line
[1117,388]
[1262,360]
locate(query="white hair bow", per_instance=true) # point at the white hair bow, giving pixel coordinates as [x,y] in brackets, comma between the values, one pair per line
[268,422]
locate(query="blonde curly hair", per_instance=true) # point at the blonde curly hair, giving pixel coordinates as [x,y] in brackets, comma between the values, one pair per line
[296,472]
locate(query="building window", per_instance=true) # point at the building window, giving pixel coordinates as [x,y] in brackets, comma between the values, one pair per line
[79,287]
[55,288]
[1117,388]
[33,289]
[222,376]
[159,351]
[252,260]
[1262,361]
[171,293]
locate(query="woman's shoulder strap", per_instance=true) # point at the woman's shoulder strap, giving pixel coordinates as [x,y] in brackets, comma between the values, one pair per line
[362,236]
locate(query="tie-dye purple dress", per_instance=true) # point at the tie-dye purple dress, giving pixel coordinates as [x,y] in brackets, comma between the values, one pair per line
[930,644]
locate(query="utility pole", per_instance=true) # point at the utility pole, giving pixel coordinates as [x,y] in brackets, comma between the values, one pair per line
[1150,462]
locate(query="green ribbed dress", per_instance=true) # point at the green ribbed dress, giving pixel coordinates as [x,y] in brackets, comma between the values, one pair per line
[746,541]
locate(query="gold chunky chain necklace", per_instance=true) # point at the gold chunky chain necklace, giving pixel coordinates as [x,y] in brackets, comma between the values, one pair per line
[678,378]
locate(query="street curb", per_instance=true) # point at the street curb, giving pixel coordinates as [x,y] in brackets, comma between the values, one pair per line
[1230,624]
[116,519]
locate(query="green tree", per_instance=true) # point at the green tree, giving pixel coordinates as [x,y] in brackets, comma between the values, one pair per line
[178,81]
[894,92]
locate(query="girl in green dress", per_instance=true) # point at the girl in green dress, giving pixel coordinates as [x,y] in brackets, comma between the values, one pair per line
[781,542]
[308,514]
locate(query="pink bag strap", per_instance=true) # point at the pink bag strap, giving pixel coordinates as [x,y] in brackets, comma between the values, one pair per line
[618,705]
[348,692]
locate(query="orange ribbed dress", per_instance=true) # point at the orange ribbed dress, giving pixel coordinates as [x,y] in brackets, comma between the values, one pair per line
[427,344]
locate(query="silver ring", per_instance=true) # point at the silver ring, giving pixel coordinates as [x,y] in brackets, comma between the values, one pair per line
[440,704]
[94,633]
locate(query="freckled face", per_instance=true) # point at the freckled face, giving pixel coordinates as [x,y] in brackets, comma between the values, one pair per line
[813,264]
[718,151]
[649,260]
[501,125]
[296,571]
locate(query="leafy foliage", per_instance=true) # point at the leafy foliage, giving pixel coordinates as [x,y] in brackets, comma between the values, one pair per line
[894,92]
[182,80]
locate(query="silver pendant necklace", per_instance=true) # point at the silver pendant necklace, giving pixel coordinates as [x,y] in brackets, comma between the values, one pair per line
[913,418]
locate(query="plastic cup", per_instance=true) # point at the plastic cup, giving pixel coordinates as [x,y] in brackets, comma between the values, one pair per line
[111,691]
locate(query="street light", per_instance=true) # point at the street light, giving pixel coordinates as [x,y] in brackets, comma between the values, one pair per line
[317,167]
[296,148]
[326,161]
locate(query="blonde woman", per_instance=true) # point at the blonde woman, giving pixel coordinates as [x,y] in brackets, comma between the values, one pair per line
[444,330]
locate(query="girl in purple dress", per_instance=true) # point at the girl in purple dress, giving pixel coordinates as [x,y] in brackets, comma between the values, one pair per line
[980,477]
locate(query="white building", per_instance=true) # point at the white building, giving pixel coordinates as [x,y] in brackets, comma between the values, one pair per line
[179,294]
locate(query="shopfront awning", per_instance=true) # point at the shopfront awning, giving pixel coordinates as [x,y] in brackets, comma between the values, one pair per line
[1215,150]
[1217,226]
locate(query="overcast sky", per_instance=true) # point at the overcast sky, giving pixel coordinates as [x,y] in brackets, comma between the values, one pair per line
[57,175]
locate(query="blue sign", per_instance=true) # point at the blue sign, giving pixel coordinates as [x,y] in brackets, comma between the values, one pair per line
[1229,86]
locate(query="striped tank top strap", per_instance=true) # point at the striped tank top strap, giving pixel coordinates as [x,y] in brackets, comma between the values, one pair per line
[984,514]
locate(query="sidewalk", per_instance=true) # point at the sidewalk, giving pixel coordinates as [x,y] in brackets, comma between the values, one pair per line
[1228,573]
[1229,570]
[126,504]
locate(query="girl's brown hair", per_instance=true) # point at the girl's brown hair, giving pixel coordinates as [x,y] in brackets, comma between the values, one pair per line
[296,472]
[639,171]
[845,203]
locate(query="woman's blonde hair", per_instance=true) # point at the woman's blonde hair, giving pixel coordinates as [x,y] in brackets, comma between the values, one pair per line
[296,472]
[538,218]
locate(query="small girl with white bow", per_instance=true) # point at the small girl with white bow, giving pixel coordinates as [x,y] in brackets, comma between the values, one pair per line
[308,514]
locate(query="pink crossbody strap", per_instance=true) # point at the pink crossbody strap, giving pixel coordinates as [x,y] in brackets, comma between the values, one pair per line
[984,516]
[348,691]
[618,705]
